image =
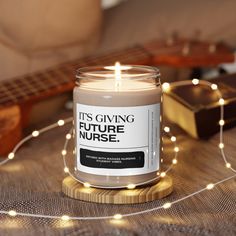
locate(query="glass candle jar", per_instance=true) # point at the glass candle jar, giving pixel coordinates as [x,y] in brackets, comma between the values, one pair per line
[117,114]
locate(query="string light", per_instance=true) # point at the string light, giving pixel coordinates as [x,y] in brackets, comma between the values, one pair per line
[162,174]
[228,165]
[221,145]
[195,81]
[131,186]
[173,138]
[63,152]
[87,185]
[35,133]
[65,218]
[117,216]
[221,101]
[210,186]
[11,155]
[61,122]
[221,122]
[165,87]
[167,129]
[214,86]
[12,213]
[174,161]
[167,205]
[176,149]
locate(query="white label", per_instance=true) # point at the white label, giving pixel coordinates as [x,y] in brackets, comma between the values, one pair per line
[117,141]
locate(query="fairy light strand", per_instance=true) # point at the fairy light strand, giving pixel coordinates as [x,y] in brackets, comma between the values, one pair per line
[166,87]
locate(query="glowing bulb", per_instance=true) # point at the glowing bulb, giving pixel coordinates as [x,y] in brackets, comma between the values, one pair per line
[214,87]
[68,136]
[174,161]
[221,101]
[117,216]
[131,186]
[176,149]
[11,155]
[167,205]
[228,165]
[167,129]
[12,213]
[163,174]
[65,217]
[63,152]
[61,122]
[35,133]
[173,138]
[87,185]
[221,145]
[221,122]
[66,170]
[210,186]
[195,81]
[165,87]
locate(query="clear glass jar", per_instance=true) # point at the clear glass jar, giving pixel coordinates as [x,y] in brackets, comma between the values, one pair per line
[117,114]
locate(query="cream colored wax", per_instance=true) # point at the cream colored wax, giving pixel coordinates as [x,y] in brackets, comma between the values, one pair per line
[108,92]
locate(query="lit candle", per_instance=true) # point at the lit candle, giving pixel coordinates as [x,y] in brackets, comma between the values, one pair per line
[117,112]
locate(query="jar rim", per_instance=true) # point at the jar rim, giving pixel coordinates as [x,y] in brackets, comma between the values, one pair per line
[108,72]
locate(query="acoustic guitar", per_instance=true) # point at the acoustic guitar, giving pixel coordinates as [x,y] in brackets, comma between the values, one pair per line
[18,95]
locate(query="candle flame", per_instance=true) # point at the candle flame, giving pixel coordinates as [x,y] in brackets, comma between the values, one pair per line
[122,67]
[117,68]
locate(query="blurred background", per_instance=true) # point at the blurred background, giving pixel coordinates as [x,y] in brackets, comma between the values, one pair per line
[38,34]
[42,43]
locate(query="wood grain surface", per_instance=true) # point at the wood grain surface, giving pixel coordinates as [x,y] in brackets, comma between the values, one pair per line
[76,190]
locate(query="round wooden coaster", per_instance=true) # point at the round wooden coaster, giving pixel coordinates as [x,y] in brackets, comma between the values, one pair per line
[76,190]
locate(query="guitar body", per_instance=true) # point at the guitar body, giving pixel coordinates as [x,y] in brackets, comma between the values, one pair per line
[10,128]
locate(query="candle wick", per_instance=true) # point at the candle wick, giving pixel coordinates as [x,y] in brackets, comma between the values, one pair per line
[117,85]
[117,76]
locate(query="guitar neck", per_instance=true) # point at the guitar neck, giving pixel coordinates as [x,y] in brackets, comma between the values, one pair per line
[53,81]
